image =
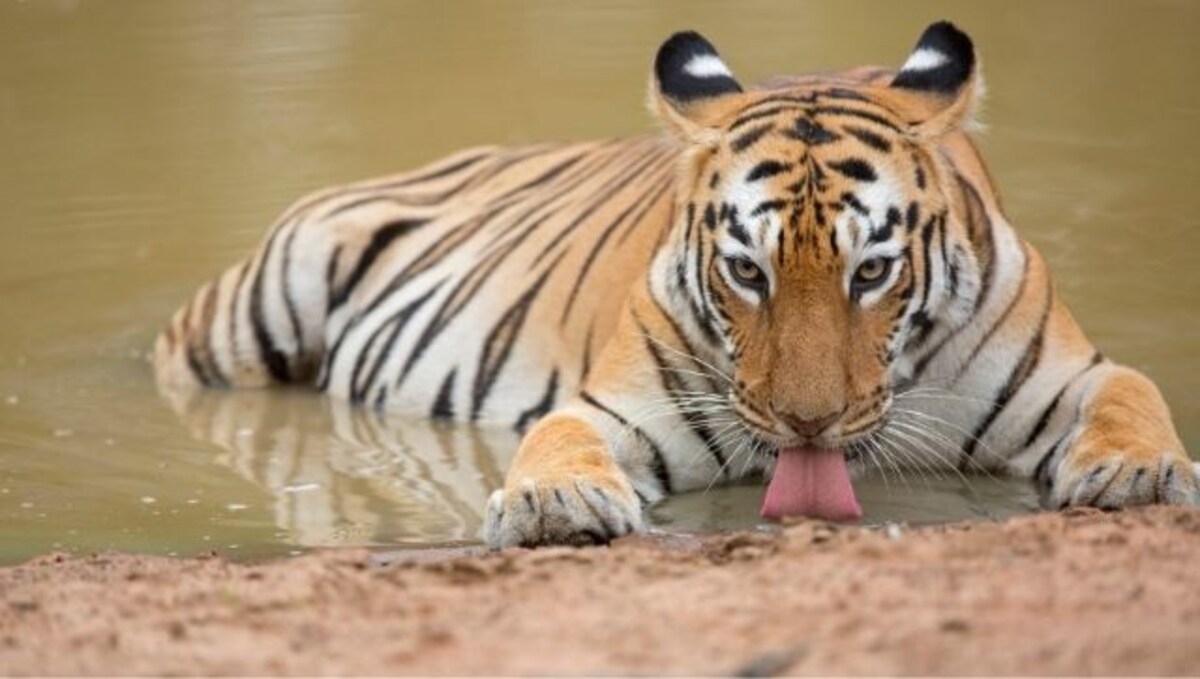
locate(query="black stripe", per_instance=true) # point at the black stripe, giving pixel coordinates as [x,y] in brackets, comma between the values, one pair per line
[869,138]
[688,347]
[749,137]
[538,410]
[1048,412]
[1017,378]
[768,206]
[380,240]
[208,314]
[810,132]
[500,341]
[672,384]
[304,206]
[400,320]
[854,168]
[856,113]
[271,356]
[544,177]
[285,271]
[234,303]
[1039,472]
[1012,304]
[658,464]
[767,168]
[705,320]
[985,254]
[442,172]
[927,255]
[664,185]
[765,113]
[561,193]
[331,271]
[443,406]
[604,193]
[655,190]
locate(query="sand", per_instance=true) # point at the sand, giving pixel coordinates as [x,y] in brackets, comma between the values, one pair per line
[1082,592]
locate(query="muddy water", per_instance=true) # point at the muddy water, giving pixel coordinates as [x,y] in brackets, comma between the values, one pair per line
[146,145]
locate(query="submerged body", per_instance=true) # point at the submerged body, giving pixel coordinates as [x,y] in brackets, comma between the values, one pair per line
[818,263]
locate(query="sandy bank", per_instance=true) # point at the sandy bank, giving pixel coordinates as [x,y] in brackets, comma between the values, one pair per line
[1082,592]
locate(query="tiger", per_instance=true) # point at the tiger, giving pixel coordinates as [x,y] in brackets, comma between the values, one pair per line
[800,281]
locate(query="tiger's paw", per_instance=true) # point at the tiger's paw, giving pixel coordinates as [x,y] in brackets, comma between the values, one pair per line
[574,511]
[1120,478]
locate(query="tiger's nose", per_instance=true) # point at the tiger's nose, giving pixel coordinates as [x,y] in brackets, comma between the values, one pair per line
[809,427]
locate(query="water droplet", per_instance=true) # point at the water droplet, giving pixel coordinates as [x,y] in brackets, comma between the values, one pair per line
[235,506]
[26,505]
[301,487]
[193,501]
[147,500]
[63,433]
[13,400]
[246,431]
[110,442]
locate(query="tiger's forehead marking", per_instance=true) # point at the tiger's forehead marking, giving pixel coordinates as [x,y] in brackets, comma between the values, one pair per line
[793,188]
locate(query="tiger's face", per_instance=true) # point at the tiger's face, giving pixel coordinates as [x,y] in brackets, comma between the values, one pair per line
[826,243]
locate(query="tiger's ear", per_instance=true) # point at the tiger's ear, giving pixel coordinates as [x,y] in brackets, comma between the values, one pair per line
[939,87]
[691,88]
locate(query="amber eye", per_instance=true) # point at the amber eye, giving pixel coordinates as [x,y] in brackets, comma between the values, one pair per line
[872,272]
[747,273]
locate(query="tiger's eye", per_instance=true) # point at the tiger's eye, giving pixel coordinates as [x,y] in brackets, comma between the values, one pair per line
[872,271]
[746,272]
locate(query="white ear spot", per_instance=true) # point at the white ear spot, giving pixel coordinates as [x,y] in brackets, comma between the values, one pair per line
[706,66]
[924,59]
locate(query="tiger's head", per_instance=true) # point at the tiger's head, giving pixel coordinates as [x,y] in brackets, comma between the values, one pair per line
[822,239]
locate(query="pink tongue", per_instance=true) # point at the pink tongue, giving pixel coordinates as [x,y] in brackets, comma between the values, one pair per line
[813,483]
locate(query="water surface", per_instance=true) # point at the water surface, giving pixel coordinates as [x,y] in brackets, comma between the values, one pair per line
[148,144]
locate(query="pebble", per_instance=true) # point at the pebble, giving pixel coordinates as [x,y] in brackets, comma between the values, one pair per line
[892,531]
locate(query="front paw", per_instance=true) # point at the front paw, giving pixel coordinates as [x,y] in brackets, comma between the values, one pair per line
[570,511]
[1124,478]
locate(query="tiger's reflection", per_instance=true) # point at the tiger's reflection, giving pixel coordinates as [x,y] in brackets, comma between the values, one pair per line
[341,475]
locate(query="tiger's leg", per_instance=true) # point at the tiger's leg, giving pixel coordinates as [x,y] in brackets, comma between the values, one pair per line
[584,473]
[1123,452]
[565,487]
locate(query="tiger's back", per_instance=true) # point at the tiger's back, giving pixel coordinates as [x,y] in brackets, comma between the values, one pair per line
[477,288]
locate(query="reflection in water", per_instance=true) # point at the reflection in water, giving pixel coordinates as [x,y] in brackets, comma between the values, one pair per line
[339,474]
[344,475]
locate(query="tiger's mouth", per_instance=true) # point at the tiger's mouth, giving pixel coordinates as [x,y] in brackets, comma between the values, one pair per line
[811,474]
[851,437]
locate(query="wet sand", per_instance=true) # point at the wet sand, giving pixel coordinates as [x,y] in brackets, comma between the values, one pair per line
[1082,592]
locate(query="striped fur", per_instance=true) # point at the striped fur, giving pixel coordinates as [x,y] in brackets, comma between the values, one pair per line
[817,261]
